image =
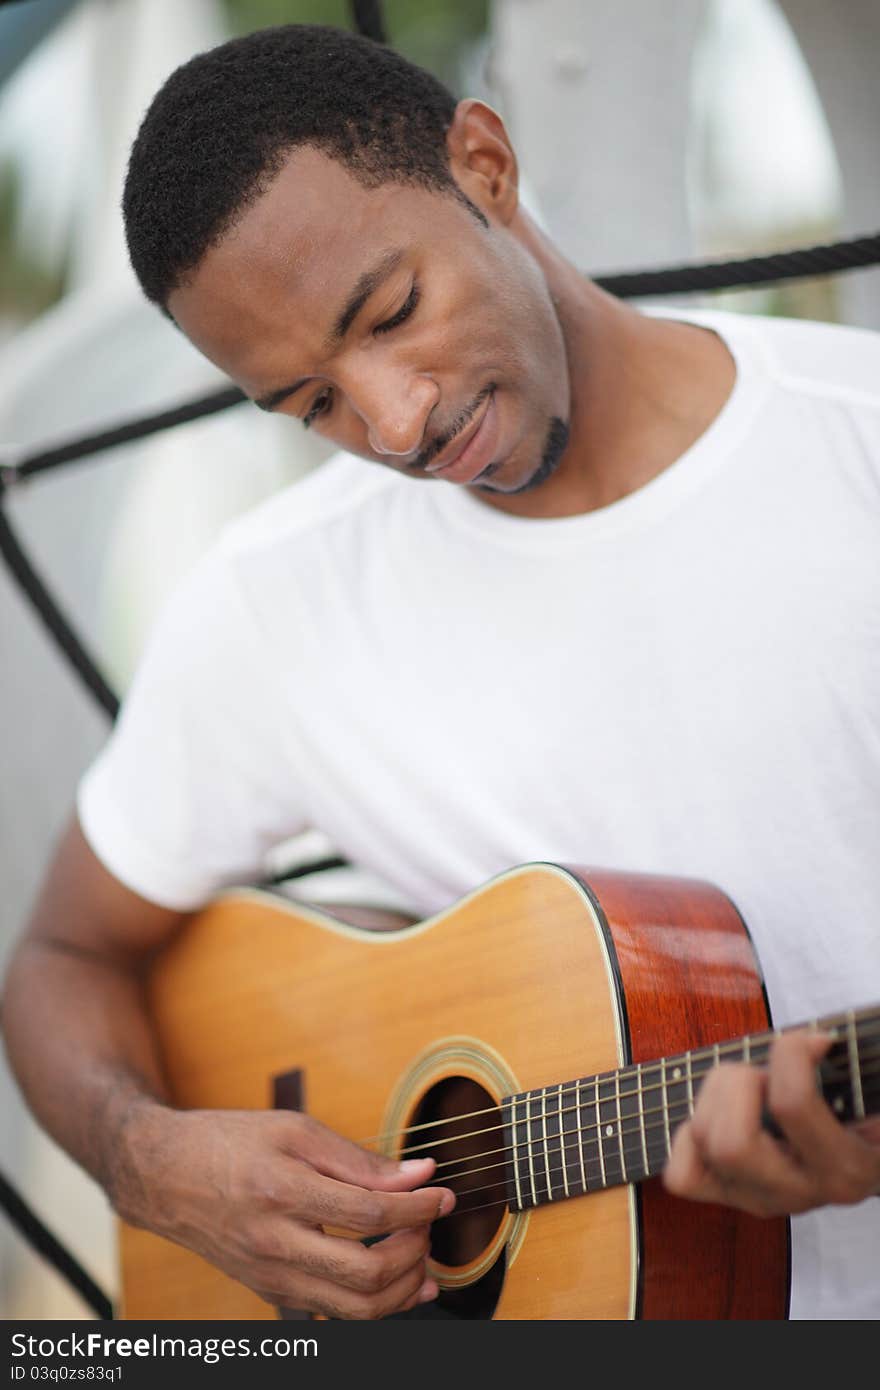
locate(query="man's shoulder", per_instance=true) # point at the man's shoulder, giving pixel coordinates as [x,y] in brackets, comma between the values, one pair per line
[811,356]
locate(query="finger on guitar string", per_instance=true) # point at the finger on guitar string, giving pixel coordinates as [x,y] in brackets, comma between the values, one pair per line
[369,1213]
[282,1285]
[842,1162]
[338,1183]
[284,1253]
[307,1138]
[869,1130]
[725,1153]
[236,1189]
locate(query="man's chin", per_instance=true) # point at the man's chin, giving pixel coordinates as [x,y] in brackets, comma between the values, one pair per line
[556,442]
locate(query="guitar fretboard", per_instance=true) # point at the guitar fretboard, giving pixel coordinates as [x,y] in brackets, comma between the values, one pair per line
[616,1127]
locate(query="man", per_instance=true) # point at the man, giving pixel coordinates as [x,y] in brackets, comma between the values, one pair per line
[609,594]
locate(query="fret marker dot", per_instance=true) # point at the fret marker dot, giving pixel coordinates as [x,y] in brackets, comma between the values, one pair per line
[838,1104]
[676,1075]
[609,1130]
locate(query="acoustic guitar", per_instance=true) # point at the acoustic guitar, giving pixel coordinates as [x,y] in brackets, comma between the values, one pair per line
[541,1039]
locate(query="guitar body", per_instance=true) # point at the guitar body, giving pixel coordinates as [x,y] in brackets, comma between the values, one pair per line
[544,973]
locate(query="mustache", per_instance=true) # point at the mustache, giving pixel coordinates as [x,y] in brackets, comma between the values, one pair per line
[461,422]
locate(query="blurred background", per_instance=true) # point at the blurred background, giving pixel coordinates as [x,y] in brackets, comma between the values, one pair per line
[648,135]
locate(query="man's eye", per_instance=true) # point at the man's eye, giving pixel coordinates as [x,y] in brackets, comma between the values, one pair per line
[320,406]
[403,312]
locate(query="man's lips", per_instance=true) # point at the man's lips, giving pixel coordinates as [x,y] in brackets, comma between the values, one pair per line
[472,451]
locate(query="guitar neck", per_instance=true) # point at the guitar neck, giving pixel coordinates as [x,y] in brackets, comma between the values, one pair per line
[617,1127]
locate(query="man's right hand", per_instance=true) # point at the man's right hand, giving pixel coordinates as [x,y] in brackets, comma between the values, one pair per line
[250,1191]
[253,1191]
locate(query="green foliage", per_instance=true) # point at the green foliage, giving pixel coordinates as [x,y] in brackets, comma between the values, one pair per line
[433,33]
[26,287]
[430,32]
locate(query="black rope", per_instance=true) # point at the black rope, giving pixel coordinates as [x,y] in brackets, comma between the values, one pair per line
[367,16]
[834,257]
[126,433]
[753,270]
[46,1245]
[52,617]
[317,866]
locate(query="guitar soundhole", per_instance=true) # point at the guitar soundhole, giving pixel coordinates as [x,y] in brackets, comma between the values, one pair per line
[458,1123]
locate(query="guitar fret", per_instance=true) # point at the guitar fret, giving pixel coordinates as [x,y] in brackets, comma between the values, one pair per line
[567,1138]
[580,1132]
[683,1088]
[652,1132]
[599,1143]
[620,1126]
[665,1104]
[641,1098]
[653,1118]
[633,1138]
[545,1144]
[562,1154]
[855,1069]
[610,1137]
[529,1147]
[629,1138]
[700,1064]
[515,1152]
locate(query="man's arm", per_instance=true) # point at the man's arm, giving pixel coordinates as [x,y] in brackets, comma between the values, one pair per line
[725,1153]
[249,1191]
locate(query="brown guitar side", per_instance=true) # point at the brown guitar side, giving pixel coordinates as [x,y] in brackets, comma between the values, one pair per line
[533,979]
[689,978]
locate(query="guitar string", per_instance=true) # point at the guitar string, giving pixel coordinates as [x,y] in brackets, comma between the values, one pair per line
[553,1169]
[590,1098]
[735,1048]
[575,1134]
[643,1132]
[605,1078]
[550,1170]
[541,1175]
[839,1073]
[618,1136]
[588,1103]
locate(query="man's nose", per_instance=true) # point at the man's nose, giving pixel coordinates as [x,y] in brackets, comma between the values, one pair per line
[396,422]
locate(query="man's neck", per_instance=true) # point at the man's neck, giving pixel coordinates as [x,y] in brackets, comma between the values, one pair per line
[643,390]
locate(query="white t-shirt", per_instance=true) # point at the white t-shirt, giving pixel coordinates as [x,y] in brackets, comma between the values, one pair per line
[685,682]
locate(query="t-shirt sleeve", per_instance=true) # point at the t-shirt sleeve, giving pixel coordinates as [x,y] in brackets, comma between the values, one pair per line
[197,781]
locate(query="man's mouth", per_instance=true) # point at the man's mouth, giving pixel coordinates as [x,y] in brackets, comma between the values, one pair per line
[473,450]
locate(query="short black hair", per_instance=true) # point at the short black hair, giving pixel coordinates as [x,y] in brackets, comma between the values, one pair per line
[219,129]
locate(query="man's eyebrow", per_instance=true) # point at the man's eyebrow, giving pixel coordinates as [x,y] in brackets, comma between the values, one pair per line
[276,397]
[366,285]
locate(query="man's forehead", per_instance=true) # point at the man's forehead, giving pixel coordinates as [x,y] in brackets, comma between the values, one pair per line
[302,258]
[315,217]
[301,243]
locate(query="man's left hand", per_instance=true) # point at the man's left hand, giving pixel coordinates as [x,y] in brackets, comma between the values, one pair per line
[725,1153]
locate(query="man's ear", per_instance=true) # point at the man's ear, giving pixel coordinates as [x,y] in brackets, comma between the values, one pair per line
[482,161]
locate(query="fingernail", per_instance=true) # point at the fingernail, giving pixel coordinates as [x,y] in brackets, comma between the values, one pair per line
[409,1165]
[428,1291]
[446,1204]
